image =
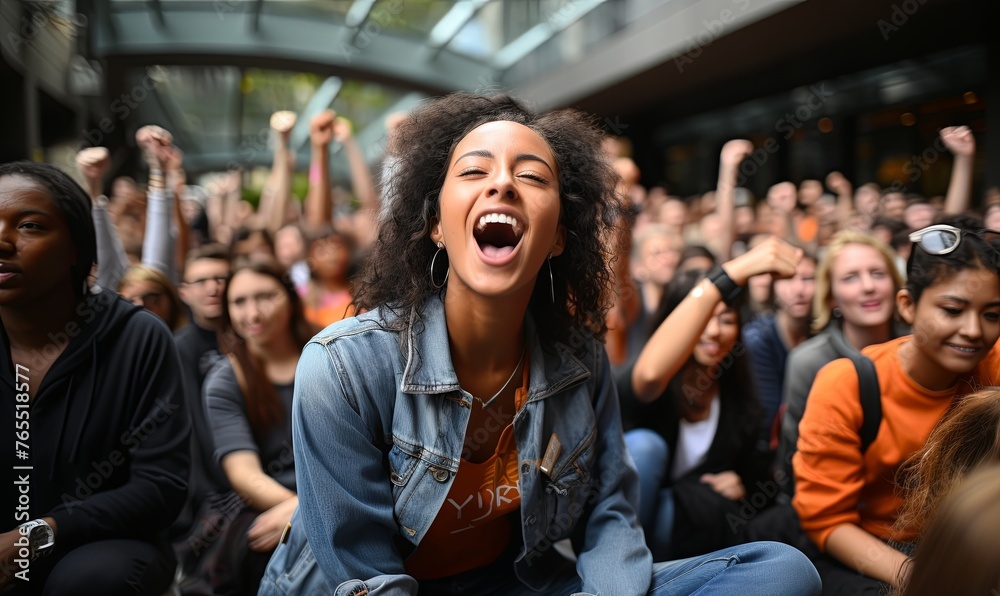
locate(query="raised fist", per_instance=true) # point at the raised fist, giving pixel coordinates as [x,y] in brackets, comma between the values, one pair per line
[734,152]
[959,140]
[321,127]
[341,129]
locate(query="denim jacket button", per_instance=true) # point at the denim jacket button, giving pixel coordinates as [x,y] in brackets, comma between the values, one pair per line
[530,520]
[439,474]
[525,468]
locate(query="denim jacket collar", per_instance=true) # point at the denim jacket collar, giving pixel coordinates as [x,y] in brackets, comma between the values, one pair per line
[429,369]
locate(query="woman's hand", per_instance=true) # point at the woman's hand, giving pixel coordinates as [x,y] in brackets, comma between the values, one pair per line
[321,128]
[265,531]
[959,140]
[774,256]
[93,163]
[155,143]
[727,484]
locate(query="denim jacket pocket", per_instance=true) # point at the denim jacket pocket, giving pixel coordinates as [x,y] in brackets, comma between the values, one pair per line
[568,491]
[401,465]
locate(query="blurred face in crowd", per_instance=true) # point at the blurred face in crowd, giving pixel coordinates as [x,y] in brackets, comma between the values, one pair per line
[329,259]
[289,246]
[861,286]
[794,295]
[866,200]
[658,258]
[809,192]
[894,205]
[254,248]
[36,249]
[992,219]
[149,295]
[919,215]
[201,290]
[259,307]
[673,213]
[718,337]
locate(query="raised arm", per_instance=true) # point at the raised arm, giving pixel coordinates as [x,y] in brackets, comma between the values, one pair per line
[674,340]
[278,190]
[961,143]
[158,243]
[836,182]
[177,181]
[319,200]
[732,155]
[361,176]
[93,164]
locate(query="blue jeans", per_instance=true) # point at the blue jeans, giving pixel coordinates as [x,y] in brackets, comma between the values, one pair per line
[757,568]
[651,455]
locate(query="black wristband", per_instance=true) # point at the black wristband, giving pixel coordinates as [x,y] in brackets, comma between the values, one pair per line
[727,287]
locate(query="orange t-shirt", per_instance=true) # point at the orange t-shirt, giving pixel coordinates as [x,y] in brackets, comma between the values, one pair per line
[835,483]
[473,527]
[332,307]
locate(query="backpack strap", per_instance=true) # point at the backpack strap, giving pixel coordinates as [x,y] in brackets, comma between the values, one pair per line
[871,399]
[870,393]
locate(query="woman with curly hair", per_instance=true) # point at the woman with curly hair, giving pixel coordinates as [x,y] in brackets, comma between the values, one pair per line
[446,439]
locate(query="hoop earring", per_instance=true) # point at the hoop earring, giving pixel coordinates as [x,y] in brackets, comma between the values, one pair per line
[552,283]
[437,286]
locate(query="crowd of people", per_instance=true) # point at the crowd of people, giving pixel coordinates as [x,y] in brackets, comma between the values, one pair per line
[504,368]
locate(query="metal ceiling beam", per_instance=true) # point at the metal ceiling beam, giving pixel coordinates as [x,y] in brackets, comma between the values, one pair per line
[292,42]
[451,23]
[156,9]
[322,99]
[531,39]
[258,7]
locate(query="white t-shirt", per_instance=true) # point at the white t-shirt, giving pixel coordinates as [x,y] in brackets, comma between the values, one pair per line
[694,440]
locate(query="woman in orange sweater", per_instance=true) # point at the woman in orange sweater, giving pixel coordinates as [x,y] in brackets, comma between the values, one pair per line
[847,500]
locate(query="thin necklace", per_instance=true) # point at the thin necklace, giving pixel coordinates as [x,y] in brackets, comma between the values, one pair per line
[486,404]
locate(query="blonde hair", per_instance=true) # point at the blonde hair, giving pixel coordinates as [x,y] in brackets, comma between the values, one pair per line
[824,283]
[140,273]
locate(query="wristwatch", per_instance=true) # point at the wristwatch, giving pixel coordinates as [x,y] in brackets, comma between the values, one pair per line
[40,537]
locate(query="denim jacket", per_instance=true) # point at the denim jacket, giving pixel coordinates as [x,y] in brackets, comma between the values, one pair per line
[379,421]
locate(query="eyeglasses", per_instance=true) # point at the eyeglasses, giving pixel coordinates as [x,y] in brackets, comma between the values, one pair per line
[941,239]
[200,282]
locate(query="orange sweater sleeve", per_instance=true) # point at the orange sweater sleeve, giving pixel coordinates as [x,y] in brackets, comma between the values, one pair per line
[829,471]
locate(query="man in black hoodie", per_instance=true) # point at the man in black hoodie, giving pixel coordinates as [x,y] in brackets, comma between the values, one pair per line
[90,388]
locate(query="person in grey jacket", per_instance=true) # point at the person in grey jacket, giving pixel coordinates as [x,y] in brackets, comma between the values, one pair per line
[854,307]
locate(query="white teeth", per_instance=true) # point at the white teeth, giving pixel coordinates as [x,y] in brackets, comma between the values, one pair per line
[499,218]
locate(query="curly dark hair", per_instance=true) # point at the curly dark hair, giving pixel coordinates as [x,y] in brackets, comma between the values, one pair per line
[396,273]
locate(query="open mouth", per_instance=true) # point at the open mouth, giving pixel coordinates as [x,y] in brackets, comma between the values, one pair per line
[498,234]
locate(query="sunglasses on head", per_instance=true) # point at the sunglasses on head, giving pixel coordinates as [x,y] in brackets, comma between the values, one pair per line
[941,239]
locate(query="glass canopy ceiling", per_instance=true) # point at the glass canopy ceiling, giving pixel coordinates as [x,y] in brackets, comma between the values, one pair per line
[217,69]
